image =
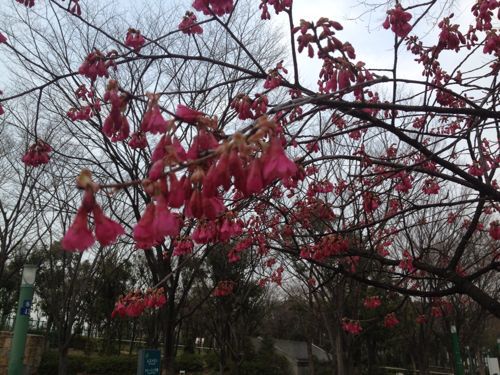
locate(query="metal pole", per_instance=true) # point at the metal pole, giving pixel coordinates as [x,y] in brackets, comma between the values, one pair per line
[20,329]
[459,366]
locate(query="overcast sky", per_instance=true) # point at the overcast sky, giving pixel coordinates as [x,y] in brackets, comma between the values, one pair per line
[362,29]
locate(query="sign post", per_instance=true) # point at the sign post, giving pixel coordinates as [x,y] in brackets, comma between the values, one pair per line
[21,325]
[148,362]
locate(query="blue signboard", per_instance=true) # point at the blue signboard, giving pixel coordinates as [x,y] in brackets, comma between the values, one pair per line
[25,307]
[148,362]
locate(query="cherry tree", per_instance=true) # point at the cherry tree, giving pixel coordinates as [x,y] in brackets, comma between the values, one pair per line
[343,174]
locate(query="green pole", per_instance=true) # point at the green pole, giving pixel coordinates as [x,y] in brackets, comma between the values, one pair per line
[21,325]
[459,366]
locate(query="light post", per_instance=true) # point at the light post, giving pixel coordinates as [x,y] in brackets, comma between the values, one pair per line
[459,366]
[22,320]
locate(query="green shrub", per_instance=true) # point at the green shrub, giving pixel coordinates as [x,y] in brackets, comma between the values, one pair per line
[211,360]
[119,365]
[112,365]
[50,364]
[189,362]
[270,365]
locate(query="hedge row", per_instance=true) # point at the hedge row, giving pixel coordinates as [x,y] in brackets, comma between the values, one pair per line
[77,364]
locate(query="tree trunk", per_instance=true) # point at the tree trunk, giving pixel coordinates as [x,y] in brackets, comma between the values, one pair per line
[480,364]
[63,361]
[169,345]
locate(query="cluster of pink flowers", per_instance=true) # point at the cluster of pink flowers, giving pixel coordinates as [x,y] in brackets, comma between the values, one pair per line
[274,77]
[405,183]
[495,230]
[134,303]
[370,202]
[217,7]
[116,126]
[183,247]
[156,223]
[397,19]
[406,262]
[79,237]
[224,288]
[248,108]
[430,187]
[450,36]
[352,326]
[390,320]
[327,246]
[75,7]
[483,11]
[37,154]
[279,6]
[27,3]
[134,40]
[189,24]
[220,230]
[372,302]
[96,64]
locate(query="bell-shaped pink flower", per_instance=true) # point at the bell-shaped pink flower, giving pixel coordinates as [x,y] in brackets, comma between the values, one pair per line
[78,237]
[144,230]
[165,223]
[255,182]
[106,230]
[138,140]
[176,194]
[153,121]
[276,163]
[187,114]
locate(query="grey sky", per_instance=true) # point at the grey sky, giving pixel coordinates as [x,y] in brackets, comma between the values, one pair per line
[362,29]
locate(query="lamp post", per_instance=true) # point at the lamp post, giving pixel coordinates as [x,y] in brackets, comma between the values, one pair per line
[459,366]
[22,320]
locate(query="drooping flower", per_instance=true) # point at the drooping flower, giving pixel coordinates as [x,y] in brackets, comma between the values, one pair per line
[144,230]
[116,125]
[183,247]
[78,237]
[94,66]
[430,187]
[134,39]
[390,320]
[255,182]
[153,121]
[106,230]
[75,7]
[27,3]
[352,326]
[495,230]
[203,142]
[217,7]
[370,202]
[37,154]
[165,222]
[276,163]
[189,24]
[156,223]
[397,19]
[138,140]
[116,128]
[187,114]
[372,302]
[224,288]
